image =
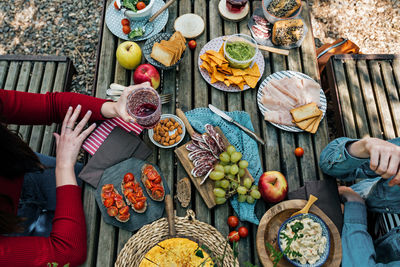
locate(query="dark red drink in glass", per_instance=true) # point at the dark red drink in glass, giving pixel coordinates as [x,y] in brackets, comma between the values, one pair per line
[144,105]
[235,6]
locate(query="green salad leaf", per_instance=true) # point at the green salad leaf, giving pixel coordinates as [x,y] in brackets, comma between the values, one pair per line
[137,32]
[130,4]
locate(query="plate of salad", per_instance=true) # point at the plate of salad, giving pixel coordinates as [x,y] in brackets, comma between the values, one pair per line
[132,30]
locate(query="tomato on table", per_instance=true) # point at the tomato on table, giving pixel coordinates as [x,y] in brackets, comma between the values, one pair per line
[139,205]
[299,152]
[140,5]
[234,236]
[126,29]
[108,202]
[125,22]
[243,232]
[192,44]
[112,211]
[233,221]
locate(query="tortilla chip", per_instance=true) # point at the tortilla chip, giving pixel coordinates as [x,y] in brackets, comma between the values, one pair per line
[206,66]
[227,82]
[251,80]
[253,71]
[213,79]
[238,72]
[235,79]
[241,85]
[217,55]
[221,50]
[212,63]
[216,60]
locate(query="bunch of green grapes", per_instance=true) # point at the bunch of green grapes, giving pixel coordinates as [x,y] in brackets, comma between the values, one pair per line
[227,175]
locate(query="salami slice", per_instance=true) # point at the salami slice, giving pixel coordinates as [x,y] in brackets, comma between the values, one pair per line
[261,31]
[212,145]
[204,159]
[201,170]
[198,154]
[204,146]
[260,20]
[197,137]
[216,137]
[192,147]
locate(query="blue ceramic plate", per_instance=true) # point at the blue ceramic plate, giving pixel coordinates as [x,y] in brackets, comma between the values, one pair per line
[114,17]
[325,233]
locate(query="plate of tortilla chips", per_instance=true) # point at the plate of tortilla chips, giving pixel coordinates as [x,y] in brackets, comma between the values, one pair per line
[216,71]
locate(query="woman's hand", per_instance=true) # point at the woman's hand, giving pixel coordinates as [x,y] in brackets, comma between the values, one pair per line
[69,142]
[384,157]
[118,109]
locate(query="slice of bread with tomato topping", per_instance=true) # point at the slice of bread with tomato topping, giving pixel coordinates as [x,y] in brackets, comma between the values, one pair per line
[133,194]
[114,203]
[153,182]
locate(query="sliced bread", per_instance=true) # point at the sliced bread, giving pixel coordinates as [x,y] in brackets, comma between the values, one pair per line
[162,55]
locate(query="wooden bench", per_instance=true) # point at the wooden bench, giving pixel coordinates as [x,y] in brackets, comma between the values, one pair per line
[365,90]
[190,91]
[36,74]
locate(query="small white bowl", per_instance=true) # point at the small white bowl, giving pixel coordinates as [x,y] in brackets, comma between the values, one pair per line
[176,118]
[272,18]
[140,14]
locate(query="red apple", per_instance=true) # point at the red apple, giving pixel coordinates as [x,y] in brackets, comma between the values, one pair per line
[147,73]
[273,186]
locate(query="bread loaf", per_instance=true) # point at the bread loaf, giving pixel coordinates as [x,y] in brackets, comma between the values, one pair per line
[283,8]
[287,32]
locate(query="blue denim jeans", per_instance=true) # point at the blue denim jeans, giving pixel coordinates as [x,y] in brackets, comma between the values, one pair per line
[38,198]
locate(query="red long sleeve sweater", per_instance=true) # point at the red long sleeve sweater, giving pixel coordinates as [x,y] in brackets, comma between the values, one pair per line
[67,241]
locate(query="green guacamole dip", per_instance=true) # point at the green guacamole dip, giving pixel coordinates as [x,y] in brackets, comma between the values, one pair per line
[240,51]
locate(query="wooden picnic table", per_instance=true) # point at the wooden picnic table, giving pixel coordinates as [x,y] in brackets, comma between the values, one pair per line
[191,91]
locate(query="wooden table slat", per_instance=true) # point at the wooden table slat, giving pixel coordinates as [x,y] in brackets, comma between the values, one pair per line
[3,72]
[12,75]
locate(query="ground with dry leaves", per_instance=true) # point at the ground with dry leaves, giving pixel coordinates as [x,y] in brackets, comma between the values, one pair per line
[374,25]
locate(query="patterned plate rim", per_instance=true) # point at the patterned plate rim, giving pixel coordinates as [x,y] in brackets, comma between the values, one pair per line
[221,85]
[161,17]
[279,75]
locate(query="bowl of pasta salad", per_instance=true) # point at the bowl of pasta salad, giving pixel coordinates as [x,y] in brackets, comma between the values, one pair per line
[304,240]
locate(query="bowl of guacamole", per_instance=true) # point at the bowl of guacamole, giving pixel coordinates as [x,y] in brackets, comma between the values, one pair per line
[240,50]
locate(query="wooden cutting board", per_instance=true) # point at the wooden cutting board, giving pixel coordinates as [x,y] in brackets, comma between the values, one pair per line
[206,189]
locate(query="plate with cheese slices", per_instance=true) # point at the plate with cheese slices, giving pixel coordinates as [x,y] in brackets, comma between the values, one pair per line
[292,101]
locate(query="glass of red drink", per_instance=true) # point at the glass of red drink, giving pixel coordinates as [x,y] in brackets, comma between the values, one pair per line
[144,105]
[235,6]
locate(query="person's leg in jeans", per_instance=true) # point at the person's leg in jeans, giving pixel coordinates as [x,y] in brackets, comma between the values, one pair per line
[38,198]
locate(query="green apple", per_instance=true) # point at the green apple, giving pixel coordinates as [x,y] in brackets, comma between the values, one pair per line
[129,55]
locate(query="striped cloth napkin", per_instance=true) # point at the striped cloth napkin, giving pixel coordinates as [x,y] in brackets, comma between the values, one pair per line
[94,141]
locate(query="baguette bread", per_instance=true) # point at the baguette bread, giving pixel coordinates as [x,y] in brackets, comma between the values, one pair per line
[287,32]
[283,8]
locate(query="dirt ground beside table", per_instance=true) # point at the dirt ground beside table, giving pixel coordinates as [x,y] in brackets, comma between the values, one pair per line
[374,25]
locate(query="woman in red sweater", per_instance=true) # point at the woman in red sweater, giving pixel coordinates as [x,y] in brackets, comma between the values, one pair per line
[65,245]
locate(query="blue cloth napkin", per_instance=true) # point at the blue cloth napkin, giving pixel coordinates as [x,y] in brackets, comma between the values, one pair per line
[241,141]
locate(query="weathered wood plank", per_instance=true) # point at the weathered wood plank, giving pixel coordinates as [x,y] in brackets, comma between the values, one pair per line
[396,72]
[381,100]
[369,100]
[34,87]
[3,72]
[392,94]
[24,76]
[344,95]
[12,75]
[356,99]
[60,75]
[38,130]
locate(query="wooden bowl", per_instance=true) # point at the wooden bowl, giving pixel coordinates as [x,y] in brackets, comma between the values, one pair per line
[272,221]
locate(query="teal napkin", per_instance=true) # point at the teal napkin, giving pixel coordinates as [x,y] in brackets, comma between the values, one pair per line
[241,141]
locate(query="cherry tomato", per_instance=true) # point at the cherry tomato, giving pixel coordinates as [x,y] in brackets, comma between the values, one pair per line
[108,188]
[157,194]
[106,195]
[125,22]
[112,211]
[157,180]
[108,202]
[117,197]
[243,232]
[234,236]
[129,177]
[140,5]
[126,29]
[119,203]
[192,44]
[148,184]
[299,152]
[123,217]
[233,221]
[116,5]
[124,210]
[139,205]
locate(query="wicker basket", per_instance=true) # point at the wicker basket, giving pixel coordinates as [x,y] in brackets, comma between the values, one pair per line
[149,235]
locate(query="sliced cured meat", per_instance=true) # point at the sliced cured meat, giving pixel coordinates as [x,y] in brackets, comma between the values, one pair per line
[204,146]
[192,147]
[197,137]
[273,93]
[212,145]
[198,154]
[260,20]
[280,117]
[202,170]
[312,91]
[204,159]
[261,31]
[217,138]
[284,90]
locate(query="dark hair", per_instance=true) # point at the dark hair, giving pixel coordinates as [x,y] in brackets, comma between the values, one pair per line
[16,158]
